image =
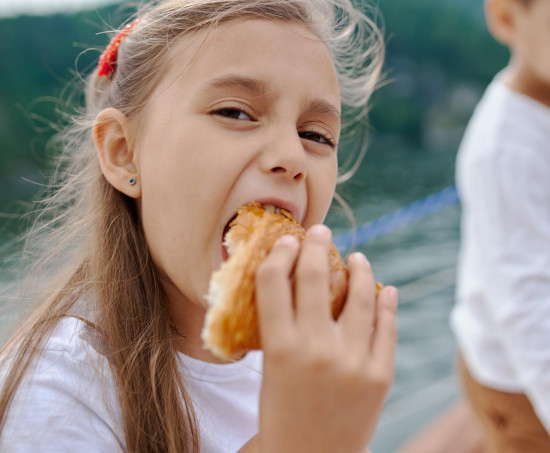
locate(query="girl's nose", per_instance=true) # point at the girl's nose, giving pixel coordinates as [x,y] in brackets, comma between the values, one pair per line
[285,157]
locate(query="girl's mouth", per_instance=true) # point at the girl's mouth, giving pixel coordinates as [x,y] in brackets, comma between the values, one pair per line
[225,249]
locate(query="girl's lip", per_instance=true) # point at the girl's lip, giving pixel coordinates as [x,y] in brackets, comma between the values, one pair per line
[286,205]
[225,253]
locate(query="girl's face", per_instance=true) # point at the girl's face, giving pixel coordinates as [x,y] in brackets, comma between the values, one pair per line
[248,112]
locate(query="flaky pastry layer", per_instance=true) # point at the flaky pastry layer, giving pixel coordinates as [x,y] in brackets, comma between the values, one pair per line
[231,325]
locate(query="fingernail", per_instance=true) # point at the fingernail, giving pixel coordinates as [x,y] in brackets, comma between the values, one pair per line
[357,258]
[288,240]
[320,230]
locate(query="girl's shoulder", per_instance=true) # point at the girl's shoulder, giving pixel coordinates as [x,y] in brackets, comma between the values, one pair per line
[78,340]
[67,398]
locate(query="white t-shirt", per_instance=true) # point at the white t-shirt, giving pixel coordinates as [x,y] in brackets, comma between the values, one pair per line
[502,316]
[68,402]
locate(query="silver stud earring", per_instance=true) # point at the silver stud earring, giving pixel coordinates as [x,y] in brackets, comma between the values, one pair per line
[132,181]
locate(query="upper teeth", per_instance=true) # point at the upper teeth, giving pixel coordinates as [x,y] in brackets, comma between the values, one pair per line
[272,208]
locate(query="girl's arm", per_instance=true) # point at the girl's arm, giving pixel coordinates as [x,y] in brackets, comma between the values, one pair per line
[325,381]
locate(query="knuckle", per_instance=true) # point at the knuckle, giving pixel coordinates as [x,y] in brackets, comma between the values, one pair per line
[310,273]
[353,369]
[363,301]
[319,360]
[316,241]
[267,271]
[352,376]
[380,379]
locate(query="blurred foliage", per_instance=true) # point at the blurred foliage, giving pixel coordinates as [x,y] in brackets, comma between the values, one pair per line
[433,47]
[40,57]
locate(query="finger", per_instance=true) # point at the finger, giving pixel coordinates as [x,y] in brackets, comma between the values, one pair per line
[385,335]
[313,278]
[274,291]
[357,318]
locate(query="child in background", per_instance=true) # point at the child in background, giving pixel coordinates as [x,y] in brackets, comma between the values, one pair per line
[196,108]
[502,316]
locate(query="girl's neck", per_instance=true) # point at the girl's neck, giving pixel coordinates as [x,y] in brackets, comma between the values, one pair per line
[192,346]
[188,319]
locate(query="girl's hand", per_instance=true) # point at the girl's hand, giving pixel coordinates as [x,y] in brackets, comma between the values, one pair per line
[325,381]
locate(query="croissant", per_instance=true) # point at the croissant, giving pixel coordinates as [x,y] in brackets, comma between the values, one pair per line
[231,323]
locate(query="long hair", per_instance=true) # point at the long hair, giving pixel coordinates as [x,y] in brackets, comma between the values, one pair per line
[87,238]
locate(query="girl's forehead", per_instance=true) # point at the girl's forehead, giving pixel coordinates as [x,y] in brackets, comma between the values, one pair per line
[197,45]
[251,45]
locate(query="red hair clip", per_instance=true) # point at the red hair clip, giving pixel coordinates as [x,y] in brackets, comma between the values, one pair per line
[108,59]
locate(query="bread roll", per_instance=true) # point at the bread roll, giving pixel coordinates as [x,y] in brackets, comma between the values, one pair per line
[231,324]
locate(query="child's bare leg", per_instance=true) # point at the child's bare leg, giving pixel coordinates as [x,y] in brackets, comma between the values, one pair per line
[454,431]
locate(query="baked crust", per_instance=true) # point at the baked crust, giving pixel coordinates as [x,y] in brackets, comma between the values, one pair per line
[231,324]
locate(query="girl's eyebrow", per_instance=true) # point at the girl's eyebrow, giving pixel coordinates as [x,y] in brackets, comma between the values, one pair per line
[323,107]
[260,88]
[257,87]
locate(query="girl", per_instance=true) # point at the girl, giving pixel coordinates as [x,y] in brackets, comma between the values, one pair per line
[197,107]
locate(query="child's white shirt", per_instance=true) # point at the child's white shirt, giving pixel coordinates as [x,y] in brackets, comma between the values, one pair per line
[68,402]
[502,316]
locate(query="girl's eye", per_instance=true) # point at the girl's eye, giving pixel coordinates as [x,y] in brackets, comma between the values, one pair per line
[233,113]
[315,137]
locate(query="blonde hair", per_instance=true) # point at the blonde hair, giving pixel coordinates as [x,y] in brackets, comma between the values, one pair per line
[94,230]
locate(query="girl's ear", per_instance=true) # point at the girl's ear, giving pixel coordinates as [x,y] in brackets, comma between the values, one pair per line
[500,16]
[113,144]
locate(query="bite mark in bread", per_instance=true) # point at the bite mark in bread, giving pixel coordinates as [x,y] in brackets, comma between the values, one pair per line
[231,324]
